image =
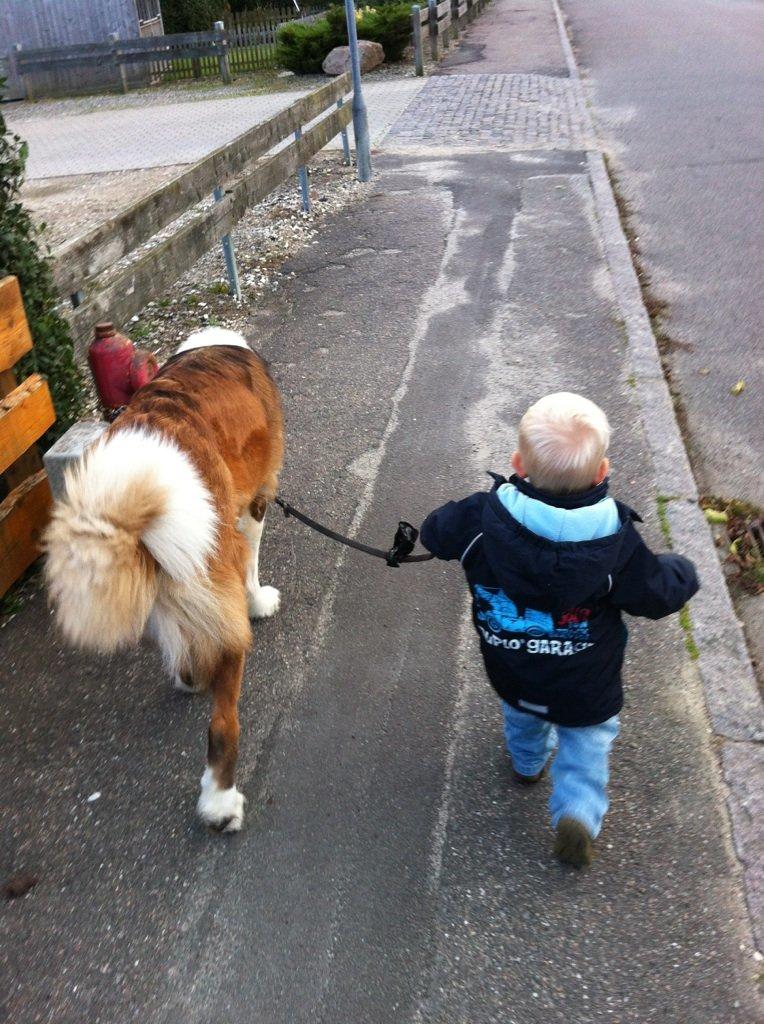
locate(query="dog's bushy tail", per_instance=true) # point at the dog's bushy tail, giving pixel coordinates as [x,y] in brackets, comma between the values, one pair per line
[135,507]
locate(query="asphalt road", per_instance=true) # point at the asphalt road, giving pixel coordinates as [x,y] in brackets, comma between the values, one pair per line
[678,89]
[389,872]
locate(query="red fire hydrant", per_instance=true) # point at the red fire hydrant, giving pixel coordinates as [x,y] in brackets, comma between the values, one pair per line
[118,368]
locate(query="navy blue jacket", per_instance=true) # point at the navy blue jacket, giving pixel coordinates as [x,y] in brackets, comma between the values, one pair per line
[549,613]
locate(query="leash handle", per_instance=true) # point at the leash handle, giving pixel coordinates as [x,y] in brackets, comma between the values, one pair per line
[403,544]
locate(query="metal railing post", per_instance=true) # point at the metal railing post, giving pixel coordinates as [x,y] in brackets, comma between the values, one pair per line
[302,174]
[360,116]
[416,27]
[434,47]
[344,137]
[232,271]
[225,70]
[455,19]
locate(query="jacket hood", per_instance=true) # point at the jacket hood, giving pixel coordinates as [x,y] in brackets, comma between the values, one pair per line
[552,575]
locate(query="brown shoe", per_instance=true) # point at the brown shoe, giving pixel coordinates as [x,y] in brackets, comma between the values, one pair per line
[528,780]
[573,844]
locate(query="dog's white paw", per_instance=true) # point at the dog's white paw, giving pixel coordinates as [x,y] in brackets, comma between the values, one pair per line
[263,602]
[222,809]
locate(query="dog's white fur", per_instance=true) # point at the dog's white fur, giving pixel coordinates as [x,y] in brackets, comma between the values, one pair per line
[221,808]
[261,601]
[210,336]
[132,486]
[183,535]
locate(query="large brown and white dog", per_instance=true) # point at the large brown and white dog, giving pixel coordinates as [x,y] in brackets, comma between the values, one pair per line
[159,532]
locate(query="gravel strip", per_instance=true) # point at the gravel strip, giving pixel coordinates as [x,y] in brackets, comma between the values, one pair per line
[270,233]
[70,206]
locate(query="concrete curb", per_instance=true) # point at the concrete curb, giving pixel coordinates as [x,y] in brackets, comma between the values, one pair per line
[731,692]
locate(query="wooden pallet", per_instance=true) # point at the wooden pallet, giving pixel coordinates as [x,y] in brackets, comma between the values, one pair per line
[26,412]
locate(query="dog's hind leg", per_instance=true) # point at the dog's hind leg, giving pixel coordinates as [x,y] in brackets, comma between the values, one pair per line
[163,627]
[220,804]
[262,602]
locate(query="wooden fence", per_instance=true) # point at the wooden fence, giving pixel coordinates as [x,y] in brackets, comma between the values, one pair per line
[252,35]
[94,271]
[246,42]
[442,22]
[47,23]
[160,53]
[26,412]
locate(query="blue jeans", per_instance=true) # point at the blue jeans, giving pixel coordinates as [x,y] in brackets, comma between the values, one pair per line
[579,771]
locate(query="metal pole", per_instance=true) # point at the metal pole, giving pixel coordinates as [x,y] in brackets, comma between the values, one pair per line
[232,271]
[302,174]
[222,48]
[360,118]
[434,46]
[345,139]
[455,18]
[416,25]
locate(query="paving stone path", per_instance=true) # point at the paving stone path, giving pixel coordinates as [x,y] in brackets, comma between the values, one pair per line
[513,111]
[167,134]
[503,111]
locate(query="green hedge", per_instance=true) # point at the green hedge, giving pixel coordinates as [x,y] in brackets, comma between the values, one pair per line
[191,15]
[388,24]
[302,48]
[23,253]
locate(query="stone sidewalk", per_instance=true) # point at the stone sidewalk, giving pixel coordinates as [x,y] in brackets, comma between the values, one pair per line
[495,111]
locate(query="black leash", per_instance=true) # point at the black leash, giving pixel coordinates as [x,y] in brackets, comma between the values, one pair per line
[403,544]
[405,538]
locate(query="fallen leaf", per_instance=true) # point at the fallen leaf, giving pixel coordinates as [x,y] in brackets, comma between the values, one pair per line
[715,516]
[737,389]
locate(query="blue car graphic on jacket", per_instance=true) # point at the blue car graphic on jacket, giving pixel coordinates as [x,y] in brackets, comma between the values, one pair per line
[501,615]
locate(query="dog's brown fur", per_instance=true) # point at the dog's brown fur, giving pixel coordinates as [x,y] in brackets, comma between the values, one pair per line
[221,408]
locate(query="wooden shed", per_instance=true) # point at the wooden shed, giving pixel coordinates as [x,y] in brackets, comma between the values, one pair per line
[48,23]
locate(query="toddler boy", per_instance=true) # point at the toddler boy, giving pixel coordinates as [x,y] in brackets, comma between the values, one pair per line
[552,562]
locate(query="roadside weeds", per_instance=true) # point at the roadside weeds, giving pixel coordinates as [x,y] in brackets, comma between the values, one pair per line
[741,546]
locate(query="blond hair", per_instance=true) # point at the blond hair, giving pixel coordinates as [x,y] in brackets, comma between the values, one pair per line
[563,440]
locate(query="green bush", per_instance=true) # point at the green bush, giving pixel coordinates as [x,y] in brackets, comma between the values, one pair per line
[388,24]
[22,253]
[276,6]
[392,25]
[191,15]
[302,48]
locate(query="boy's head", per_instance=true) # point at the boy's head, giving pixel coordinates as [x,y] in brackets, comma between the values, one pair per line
[562,445]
